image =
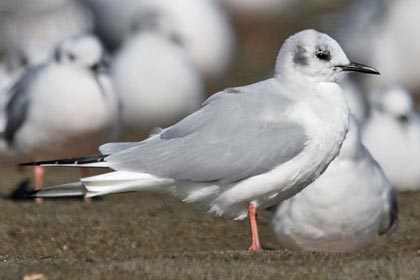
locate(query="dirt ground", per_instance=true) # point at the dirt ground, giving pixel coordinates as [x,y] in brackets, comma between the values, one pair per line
[148,236]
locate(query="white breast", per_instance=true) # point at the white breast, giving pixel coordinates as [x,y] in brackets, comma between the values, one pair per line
[68,115]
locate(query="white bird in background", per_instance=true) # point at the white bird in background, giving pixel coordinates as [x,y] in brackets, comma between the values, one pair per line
[154,76]
[344,209]
[43,23]
[202,26]
[396,48]
[248,147]
[390,30]
[62,108]
[355,98]
[392,135]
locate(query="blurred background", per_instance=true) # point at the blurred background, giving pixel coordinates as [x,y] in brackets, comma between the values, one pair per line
[164,57]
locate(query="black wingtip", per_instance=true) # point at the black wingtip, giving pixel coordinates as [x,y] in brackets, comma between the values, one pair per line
[77,160]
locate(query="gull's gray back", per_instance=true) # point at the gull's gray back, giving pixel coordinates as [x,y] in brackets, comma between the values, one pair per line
[238,133]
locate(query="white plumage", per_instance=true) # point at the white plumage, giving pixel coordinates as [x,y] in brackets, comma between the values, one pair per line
[392,135]
[344,209]
[156,80]
[63,107]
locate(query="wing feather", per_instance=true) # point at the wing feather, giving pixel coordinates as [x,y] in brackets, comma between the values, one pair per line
[236,134]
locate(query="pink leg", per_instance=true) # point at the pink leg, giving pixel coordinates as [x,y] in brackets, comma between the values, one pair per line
[252,214]
[39,172]
[85,172]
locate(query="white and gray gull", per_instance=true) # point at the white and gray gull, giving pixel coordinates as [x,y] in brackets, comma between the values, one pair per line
[248,147]
[61,108]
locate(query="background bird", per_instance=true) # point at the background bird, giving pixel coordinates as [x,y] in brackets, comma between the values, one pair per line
[61,108]
[203,27]
[344,209]
[392,135]
[156,80]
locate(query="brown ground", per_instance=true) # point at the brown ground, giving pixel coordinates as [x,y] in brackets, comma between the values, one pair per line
[147,236]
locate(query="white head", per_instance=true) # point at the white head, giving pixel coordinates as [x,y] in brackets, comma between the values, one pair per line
[393,101]
[84,51]
[314,56]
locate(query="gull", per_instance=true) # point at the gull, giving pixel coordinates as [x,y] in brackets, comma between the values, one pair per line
[344,209]
[248,147]
[203,26]
[392,135]
[155,78]
[61,108]
[44,23]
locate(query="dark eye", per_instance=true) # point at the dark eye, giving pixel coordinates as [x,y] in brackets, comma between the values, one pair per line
[72,57]
[323,55]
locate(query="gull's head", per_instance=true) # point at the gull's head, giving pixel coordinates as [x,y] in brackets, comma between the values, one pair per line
[313,56]
[394,101]
[84,51]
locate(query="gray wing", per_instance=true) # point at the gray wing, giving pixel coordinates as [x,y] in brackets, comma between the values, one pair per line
[390,224]
[17,106]
[112,148]
[237,134]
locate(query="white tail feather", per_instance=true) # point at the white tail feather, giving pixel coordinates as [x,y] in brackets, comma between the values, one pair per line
[122,181]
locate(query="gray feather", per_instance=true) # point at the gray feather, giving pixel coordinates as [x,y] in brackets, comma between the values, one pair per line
[18,104]
[235,135]
[390,224]
[112,148]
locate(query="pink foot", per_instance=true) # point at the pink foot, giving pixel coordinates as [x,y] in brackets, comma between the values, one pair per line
[39,172]
[252,214]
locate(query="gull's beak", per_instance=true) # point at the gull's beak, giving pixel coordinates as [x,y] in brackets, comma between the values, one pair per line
[358,67]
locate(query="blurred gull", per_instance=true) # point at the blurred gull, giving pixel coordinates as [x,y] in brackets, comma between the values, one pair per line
[43,23]
[154,76]
[344,209]
[392,135]
[396,48]
[248,147]
[62,108]
[390,29]
[202,26]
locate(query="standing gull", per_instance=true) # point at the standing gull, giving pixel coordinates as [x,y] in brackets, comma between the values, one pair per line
[344,209]
[61,108]
[247,147]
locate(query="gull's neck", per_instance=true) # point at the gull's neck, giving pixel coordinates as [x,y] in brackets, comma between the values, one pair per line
[313,92]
